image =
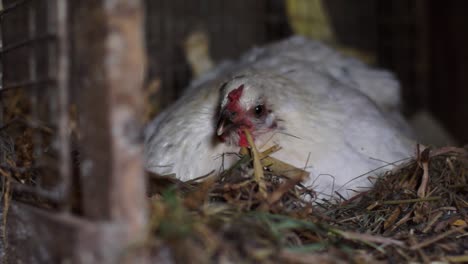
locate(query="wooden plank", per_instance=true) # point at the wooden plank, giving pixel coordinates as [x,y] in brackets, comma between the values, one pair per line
[109,63]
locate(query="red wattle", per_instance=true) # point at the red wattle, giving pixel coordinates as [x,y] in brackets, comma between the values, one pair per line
[243,139]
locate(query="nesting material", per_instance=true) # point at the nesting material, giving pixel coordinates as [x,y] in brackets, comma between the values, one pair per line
[417,213]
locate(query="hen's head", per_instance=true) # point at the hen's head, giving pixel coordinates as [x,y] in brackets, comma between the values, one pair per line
[244,105]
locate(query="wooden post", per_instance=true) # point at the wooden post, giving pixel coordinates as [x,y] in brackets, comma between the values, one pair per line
[101,50]
[109,63]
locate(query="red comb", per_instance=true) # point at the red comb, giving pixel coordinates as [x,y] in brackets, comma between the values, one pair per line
[235,94]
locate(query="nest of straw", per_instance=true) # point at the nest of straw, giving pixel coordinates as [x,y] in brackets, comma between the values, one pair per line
[415,213]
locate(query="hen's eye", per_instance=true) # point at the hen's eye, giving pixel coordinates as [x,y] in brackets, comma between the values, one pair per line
[259,110]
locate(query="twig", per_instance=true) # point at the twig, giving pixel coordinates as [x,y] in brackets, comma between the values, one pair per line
[269,151]
[445,150]
[426,199]
[458,259]
[6,206]
[412,241]
[425,178]
[392,218]
[258,168]
[432,222]
[367,238]
[403,220]
[285,169]
[437,238]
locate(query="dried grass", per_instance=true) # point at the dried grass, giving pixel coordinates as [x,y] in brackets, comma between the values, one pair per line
[402,219]
[417,213]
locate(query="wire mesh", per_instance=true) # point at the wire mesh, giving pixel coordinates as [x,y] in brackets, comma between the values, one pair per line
[33,100]
[232,27]
[393,33]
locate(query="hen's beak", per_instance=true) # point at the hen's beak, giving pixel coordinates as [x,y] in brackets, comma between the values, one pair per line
[224,124]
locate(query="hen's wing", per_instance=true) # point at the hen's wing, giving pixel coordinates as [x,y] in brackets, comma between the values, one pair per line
[181,139]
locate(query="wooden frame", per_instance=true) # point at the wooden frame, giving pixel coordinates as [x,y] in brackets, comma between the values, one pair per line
[101,57]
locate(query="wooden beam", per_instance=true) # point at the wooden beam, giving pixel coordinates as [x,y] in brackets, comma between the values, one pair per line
[109,63]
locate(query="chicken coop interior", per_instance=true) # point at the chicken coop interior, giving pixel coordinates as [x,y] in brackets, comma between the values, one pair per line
[81,79]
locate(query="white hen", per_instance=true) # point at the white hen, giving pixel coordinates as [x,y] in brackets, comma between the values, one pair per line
[329,113]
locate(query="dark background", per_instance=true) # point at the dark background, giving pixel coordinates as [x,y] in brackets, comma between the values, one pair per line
[423,42]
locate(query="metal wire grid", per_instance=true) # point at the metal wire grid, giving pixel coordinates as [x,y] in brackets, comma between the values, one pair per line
[232,26]
[34,70]
[393,31]
[403,47]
